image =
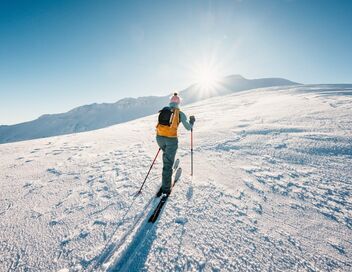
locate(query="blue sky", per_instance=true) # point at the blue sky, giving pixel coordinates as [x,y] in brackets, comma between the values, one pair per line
[56,55]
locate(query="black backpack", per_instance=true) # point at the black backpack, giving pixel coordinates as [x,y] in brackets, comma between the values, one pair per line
[165,116]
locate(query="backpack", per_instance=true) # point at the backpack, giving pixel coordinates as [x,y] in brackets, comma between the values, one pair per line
[168,121]
[165,116]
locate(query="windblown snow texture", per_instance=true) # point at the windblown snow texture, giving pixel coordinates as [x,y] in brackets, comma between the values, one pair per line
[95,116]
[272,191]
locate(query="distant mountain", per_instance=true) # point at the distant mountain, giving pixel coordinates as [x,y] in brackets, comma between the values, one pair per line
[95,116]
[231,84]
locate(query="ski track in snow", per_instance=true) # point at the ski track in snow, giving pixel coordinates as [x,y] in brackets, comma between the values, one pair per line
[271,192]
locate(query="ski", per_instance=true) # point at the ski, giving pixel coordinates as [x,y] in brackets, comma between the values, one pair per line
[157,210]
[163,199]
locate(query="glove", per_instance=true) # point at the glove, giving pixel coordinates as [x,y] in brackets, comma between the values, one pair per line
[192,119]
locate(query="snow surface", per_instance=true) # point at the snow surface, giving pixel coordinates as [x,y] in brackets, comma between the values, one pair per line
[271,192]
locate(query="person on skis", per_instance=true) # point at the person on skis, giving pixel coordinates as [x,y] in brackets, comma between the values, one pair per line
[166,137]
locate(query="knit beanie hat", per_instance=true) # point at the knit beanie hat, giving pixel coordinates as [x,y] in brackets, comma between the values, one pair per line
[175,99]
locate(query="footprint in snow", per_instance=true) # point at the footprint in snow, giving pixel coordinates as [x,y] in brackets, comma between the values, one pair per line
[54,171]
[55,222]
[5,205]
[27,184]
[181,220]
[339,248]
[99,223]
[83,234]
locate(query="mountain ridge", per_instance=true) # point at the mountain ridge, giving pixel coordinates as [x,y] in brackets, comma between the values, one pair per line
[99,115]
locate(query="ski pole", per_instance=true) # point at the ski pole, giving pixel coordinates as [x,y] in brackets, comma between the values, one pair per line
[192,152]
[140,189]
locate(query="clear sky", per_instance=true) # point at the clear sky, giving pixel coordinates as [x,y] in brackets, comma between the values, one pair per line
[56,55]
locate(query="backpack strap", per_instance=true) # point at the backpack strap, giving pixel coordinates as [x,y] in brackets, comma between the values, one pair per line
[175,118]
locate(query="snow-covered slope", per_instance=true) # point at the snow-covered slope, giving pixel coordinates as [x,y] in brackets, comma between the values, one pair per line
[271,191]
[95,116]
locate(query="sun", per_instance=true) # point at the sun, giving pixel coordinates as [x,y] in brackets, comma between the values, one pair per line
[207,76]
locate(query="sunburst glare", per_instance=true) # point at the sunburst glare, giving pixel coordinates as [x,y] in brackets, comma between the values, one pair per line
[207,76]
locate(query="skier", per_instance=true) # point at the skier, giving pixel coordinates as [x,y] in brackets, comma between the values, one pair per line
[166,137]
